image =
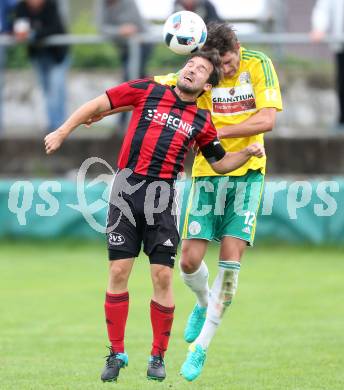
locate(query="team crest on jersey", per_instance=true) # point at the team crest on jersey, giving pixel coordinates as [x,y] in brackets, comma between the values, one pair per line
[116,239]
[245,78]
[194,228]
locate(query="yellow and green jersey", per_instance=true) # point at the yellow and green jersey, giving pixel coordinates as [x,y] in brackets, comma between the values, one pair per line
[234,100]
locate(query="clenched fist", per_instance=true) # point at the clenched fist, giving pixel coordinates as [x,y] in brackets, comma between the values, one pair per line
[256,150]
[53,141]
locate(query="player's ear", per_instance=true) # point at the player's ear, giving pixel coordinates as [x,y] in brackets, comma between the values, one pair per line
[207,87]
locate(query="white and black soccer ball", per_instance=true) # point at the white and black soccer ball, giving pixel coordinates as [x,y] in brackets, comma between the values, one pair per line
[184,32]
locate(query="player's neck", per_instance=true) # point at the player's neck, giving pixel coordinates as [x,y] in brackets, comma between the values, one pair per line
[186,97]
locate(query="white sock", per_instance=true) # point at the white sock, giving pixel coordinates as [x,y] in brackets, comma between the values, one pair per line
[198,283]
[221,295]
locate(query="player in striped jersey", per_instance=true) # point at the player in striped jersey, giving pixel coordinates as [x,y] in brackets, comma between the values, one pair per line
[165,123]
[243,107]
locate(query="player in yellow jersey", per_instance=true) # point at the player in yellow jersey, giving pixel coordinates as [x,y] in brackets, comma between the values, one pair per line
[224,208]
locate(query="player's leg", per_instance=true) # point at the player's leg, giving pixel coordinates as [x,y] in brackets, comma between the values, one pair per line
[162,284]
[198,231]
[195,275]
[221,295]
[123,246]
[117,301]
[236,231]
[193,269]
[116,313]
[161,311]
[224,287]
[161,240]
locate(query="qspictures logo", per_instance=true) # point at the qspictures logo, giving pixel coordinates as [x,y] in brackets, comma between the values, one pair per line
[28,200]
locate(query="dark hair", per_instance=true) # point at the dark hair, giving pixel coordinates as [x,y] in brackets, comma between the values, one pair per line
[222,37]
[214,58]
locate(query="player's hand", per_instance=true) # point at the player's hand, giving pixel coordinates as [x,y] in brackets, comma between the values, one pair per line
[255,150]
[195,148]
[53,141]
[220,133]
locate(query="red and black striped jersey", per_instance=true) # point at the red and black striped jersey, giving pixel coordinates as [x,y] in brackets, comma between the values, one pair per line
[162,128]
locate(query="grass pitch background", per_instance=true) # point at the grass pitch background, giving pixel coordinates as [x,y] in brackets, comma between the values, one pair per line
[284,330]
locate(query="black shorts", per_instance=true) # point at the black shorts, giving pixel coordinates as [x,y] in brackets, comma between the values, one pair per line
[142,211]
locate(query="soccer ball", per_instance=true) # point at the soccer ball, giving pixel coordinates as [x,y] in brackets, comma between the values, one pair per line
[184,32]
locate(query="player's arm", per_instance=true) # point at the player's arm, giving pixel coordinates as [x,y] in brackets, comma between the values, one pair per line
[268,102]
[220,161]
[261,122]
[125,94]
[169,79]
[101,115]
[93,107]
[223,162]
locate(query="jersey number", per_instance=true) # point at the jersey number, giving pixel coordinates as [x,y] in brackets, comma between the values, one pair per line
[249,218]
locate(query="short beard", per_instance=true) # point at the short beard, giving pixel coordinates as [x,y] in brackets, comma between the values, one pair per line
[188,90]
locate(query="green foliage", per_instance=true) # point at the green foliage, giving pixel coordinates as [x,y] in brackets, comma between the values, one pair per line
[92,56]
[95,56]
[283,330]
[164,61]
[17,57]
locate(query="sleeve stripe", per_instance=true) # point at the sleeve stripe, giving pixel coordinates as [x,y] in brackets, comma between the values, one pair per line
[266,68]
[270,81]
[111,105]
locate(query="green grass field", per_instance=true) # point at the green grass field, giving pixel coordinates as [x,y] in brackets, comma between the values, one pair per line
[285,329]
